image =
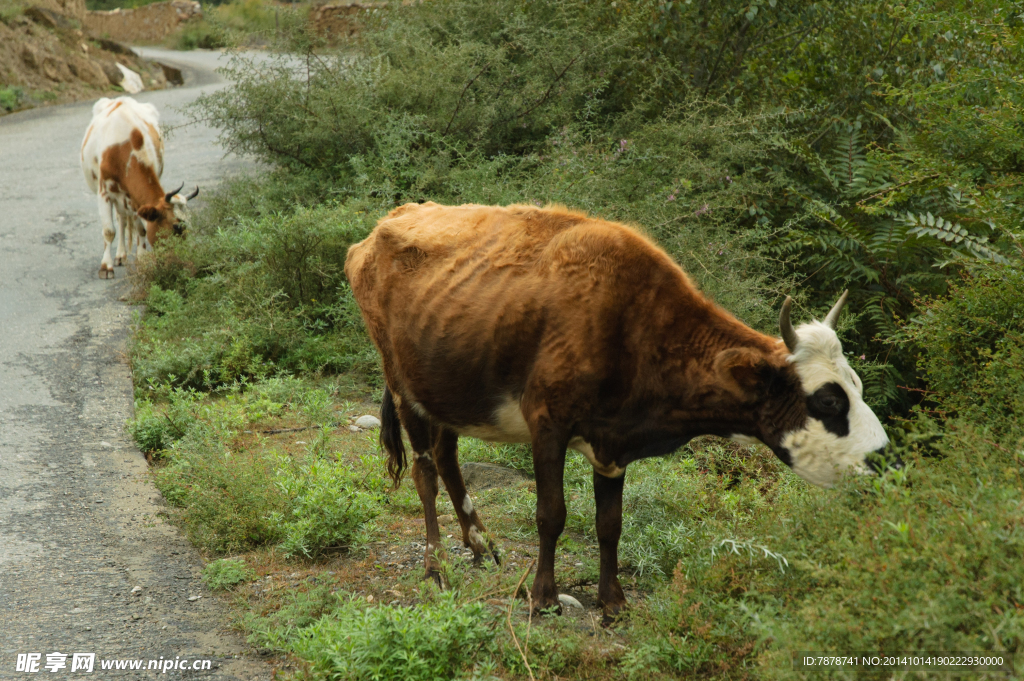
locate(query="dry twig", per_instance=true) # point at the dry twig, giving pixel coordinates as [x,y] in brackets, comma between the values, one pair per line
[508,618]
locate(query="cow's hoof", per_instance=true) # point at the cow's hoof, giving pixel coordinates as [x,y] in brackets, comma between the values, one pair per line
[106,272]
[554,608]
[478,558]
[435,575]
[120,260]
[612,613]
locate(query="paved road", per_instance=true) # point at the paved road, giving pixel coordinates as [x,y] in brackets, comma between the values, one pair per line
[80,522]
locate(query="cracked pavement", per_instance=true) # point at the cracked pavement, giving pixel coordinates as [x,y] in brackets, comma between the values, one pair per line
[81,525]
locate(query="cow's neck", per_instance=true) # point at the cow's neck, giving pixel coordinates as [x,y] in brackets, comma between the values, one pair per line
[142,185]
[704,405]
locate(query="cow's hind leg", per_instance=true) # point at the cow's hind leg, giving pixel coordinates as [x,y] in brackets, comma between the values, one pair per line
[447,460]
[608,498]
[422,435]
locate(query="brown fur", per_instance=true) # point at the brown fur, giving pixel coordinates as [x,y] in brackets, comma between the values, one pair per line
[120,168]
[592,329]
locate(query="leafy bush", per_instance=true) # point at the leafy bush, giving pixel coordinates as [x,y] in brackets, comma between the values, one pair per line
[435,640]
[11,98]
[260,297]
[328,506]
[200,34]
[226,572]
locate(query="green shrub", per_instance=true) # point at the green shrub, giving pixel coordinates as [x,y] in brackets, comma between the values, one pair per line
[200,34]
[225,496]
[11,98]
[328,506]
[429,641]
[226,572]
[262,296]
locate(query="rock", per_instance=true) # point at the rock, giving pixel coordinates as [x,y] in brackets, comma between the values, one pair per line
[115,47]
[56,70]
[112,73]
[47,18]
[87,70]
[567,600]
[488,475]
[30,56]
[354,429]
[368,421]
[136,589]
[172,74]
[132,82]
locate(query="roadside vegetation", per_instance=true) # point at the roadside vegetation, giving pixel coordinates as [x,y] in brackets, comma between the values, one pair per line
[772,149]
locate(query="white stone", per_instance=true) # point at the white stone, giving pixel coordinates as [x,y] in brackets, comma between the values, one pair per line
[566,599]
[368,421]
[132,82]
[136,589]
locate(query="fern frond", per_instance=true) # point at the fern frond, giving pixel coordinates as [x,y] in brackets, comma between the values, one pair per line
[954,236]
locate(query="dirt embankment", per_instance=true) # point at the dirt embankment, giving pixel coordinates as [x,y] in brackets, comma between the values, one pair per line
[142,25]
[46,58]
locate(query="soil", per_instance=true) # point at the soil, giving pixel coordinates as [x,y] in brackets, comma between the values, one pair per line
[45,56]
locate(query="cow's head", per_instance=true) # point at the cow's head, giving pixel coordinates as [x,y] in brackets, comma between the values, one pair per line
[812,412]
[167,216]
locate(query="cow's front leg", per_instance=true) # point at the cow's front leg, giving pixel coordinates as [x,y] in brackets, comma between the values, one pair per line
[549,468]
[608,498]
[140,235]
[125,222]
[106,220]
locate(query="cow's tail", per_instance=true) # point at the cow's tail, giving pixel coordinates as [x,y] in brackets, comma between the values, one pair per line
[391,437]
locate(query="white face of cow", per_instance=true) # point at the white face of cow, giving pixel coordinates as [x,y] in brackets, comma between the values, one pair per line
[840,430]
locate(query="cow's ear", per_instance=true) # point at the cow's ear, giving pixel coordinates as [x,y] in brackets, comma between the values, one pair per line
[149,213]
[741,370]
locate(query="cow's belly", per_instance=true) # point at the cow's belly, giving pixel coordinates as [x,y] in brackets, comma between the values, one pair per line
[508,425]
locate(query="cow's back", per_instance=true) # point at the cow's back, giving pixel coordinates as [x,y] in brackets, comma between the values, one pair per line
[480,295]
[121,122]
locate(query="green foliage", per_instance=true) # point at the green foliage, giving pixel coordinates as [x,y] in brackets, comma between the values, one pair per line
[225,497]
[200,34]
[328,505]
[433,640]
[252,299]
[11,98]
[240,23]
[972,343]
[226,572]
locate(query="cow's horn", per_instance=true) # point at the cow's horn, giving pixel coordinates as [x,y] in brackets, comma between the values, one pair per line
[833,315]
[171,194]
[193,194]
[786,326]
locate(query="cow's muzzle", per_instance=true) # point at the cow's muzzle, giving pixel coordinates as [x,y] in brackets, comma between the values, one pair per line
[880,461]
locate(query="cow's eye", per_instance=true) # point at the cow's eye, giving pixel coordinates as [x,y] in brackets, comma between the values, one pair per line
[828,402]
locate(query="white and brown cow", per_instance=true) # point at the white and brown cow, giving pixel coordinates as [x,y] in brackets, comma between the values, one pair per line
[547,326]
[123,159]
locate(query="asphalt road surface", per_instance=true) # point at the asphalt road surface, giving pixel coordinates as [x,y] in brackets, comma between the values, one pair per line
[80,521]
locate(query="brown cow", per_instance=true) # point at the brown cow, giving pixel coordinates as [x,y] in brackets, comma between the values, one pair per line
[547,326]
[122,160]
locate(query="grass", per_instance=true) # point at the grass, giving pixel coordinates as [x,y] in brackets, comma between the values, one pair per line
[252,360]
[251,364]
